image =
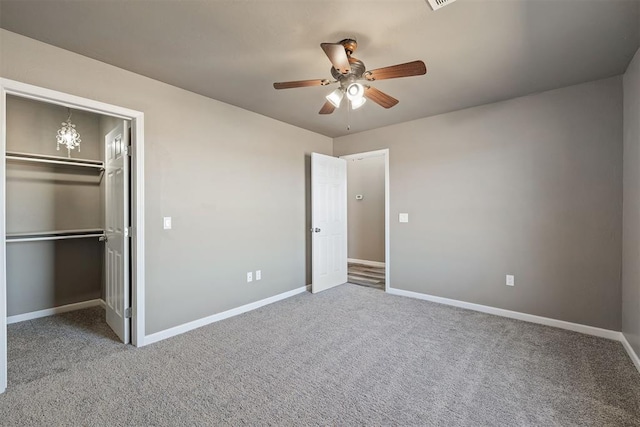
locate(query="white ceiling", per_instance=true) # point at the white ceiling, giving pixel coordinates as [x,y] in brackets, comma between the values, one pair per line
[476,51]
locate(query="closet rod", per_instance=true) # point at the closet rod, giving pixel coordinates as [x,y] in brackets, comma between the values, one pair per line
[40,239]
[51,232]
[62,235]
[39,158]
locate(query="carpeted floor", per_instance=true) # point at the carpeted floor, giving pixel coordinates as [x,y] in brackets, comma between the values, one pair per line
[349,356]
[55,344]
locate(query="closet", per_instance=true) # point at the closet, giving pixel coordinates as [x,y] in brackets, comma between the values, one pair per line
[67,215]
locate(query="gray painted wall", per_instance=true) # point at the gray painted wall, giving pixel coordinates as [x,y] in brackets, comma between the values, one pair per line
[41,198]
[233,181]
[530,186]
[365,176]
[631,213]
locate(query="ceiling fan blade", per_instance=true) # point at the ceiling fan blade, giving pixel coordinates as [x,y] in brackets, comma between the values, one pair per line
[415,68]
[327,108]
[380,97]
[301,83]
[338,57]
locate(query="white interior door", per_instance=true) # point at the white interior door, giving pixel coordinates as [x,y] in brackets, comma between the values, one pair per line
[329,221]
[117,222]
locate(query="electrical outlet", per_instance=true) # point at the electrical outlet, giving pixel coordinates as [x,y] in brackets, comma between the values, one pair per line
[250,277]
[258,274]
[511,280]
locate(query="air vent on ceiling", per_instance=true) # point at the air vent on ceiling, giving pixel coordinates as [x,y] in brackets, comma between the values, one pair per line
[437,4]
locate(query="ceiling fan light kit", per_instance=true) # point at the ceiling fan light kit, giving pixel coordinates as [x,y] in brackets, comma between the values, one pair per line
[335,97]
[357,103]
[355,91]
[347,71]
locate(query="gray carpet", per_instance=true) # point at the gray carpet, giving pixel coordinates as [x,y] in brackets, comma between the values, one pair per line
[55,344]
[348,356]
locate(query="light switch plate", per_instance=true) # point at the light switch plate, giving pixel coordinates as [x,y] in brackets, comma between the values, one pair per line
[167,222]
[511,280]
[249,277]
[403,217]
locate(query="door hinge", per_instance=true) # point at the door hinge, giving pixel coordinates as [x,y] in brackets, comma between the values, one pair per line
[128,232]
[127,150]
[127,313]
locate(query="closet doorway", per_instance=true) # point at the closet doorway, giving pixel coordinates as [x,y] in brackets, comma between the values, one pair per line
[72,232]
[368,218]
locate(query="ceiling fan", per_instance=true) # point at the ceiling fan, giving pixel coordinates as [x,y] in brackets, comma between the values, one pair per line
[349,71]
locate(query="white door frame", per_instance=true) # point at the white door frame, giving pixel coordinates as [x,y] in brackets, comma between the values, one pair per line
[387,242]
[12,87]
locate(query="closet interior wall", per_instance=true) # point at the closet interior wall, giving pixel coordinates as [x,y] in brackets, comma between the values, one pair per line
[366,230]
[40,198]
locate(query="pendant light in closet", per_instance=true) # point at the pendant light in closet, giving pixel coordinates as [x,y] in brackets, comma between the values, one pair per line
[68,136]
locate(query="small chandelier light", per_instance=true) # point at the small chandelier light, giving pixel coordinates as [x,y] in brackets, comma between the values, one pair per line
[68,136]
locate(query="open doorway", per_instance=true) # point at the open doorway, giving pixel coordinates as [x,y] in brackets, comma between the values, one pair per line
[367,208]
[329,225]
[72,230]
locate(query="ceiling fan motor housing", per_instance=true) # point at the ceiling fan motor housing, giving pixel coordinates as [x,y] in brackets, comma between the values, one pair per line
[357,70]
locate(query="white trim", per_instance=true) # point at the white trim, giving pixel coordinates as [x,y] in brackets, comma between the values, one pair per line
[55,310]
[12,87]
[576,327]
[366,154]
[387,208]
[37,93]
[632,354]
[186,327]
[138,273]
[366,262]
[3,243]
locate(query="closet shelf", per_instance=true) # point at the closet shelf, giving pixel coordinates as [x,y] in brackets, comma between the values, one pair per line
[55,160]
[55,235]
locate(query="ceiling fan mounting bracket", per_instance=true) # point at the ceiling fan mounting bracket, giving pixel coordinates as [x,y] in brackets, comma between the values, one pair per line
[350,45]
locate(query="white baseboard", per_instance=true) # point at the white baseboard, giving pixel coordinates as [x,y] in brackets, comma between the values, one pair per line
[632,354]
[55,310]
[366,262]
[181,329]
[576,327]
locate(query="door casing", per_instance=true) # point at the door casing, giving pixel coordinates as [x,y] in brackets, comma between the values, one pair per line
[12,87]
